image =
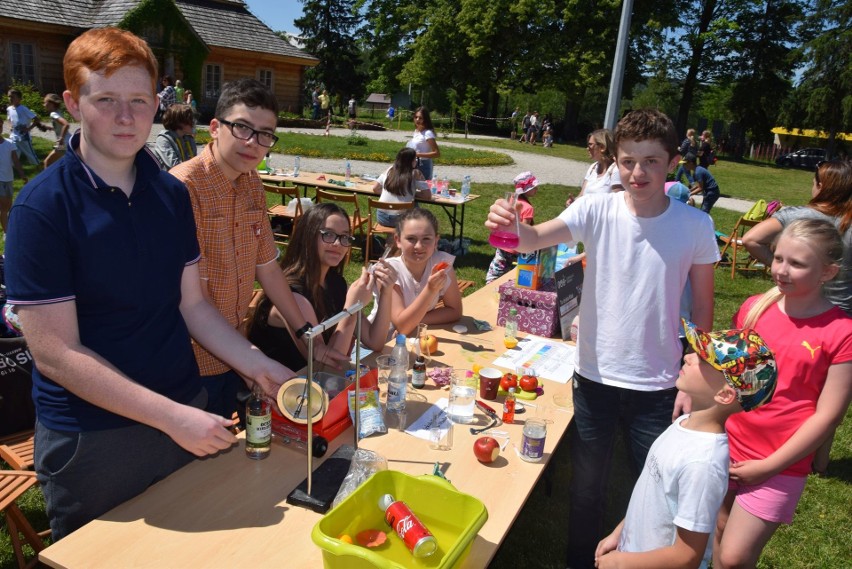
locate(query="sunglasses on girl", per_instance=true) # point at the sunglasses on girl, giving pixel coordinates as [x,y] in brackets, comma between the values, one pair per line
[330,237]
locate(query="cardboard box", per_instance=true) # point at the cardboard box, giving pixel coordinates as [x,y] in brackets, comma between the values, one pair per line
[536,269]
[538,312]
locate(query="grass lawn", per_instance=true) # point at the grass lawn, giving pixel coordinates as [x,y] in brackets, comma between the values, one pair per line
[357,147]
[818,537]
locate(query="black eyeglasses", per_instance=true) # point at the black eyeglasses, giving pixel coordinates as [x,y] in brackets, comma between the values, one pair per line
[245,132]
[330,237]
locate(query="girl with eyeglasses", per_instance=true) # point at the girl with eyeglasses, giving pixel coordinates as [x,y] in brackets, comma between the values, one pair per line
[602,176]
[424,142]
[313,267]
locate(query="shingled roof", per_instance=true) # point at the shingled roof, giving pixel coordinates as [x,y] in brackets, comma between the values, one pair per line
[218,23]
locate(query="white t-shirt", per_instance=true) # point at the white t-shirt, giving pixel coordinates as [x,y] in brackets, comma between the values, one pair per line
[57,128]
[7,172]
[386,196]
[635,274]
[682,484]
[601,184]
[19,116]
[419,142]
[410,286]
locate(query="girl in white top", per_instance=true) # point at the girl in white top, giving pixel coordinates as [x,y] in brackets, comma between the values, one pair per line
[602,176]
[61,127]
[425,275]
[424,142]
[398,184]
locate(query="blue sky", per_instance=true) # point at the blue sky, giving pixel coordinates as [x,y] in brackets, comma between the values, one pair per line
[277,14]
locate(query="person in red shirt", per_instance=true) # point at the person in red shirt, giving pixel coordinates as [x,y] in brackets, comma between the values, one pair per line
[772,447]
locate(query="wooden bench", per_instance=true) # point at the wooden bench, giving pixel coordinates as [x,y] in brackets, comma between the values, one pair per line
[463,286]
[17,450]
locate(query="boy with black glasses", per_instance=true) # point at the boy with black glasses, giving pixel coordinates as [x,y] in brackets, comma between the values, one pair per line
[233,231]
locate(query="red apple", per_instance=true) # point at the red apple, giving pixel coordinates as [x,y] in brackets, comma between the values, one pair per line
[509,380]
[529,383]
[486,449]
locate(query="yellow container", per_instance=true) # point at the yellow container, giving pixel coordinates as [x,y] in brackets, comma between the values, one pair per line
[452,517]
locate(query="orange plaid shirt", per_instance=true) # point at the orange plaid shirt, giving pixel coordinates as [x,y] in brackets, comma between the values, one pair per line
[234,236]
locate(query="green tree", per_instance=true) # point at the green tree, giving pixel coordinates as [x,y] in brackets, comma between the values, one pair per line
[768,31]
[464,107]
[330,29]
[823,98]
[697,49]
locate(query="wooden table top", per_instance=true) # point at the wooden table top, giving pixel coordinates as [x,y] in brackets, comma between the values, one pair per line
[228,511]
[356,185]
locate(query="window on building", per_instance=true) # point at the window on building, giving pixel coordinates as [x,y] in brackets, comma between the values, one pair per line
[212,81]
[23,62]
[265,77]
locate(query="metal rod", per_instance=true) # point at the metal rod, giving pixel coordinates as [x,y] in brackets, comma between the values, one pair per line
[319,329]
[310,415]
[357,377]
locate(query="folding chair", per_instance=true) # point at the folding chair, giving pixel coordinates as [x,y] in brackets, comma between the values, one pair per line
[374,227]
[288,194]
[13,485]
[740,259]
[356,221]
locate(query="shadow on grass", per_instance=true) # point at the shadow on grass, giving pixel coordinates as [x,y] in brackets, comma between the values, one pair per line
[840,469]
[539,536]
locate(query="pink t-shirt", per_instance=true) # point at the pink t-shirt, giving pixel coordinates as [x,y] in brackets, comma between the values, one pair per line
[804,350]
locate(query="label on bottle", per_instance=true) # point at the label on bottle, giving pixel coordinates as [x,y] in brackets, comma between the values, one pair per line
[396,391]
[418,376]
[258,430]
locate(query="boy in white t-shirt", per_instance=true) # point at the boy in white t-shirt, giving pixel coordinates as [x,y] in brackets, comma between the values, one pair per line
[673,508]
[640,248]
[9,164]
[22,120]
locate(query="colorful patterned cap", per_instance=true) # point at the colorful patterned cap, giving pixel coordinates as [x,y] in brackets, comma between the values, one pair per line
[743,358]
[525,181]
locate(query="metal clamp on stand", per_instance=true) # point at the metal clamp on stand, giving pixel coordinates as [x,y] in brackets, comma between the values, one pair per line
[334,469]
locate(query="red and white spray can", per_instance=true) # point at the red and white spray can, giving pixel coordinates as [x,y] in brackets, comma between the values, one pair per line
[399,516]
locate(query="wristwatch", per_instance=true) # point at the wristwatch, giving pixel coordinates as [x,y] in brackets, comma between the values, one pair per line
[301,331]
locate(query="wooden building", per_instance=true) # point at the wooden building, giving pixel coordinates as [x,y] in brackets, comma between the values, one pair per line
[204,43]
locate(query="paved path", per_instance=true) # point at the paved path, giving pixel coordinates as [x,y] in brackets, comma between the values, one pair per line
[548,169]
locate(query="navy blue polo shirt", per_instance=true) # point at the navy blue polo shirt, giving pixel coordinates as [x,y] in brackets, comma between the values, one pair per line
[708,182]
[74,238]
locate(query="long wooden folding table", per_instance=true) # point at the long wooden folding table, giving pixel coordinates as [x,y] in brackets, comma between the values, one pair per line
[229,511]
[454,208]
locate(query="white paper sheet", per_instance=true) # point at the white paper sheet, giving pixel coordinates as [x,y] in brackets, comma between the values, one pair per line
[435,416]
[550,359]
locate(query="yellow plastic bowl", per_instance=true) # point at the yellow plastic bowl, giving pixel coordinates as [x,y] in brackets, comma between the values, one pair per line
[452,517]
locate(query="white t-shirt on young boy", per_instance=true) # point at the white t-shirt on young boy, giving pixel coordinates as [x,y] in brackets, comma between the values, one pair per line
[635,274]
[682,485]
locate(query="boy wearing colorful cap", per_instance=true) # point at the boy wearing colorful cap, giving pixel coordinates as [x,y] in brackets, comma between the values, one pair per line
[673,508]
[526,187]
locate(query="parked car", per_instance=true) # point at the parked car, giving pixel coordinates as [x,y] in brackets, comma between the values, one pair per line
[804,158]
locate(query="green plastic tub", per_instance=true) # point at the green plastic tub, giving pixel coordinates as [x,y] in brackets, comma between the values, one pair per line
[453,518]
